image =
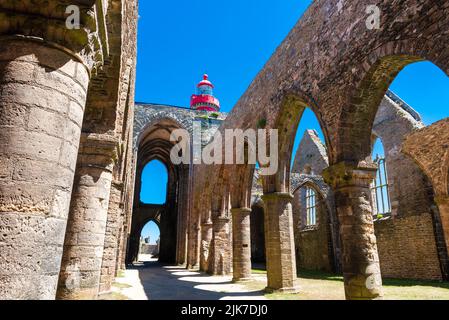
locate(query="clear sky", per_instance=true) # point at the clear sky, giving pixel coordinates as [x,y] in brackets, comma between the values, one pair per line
[151,230]
[231,40]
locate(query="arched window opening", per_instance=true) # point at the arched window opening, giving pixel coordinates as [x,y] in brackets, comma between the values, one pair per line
[380,187]
[309,154]
[154,183]
[310,207]
[424,86]
[149,241]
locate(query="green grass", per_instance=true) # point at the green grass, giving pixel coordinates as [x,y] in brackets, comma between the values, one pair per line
[258,271]
[121,285]
[399,289]
[317,285]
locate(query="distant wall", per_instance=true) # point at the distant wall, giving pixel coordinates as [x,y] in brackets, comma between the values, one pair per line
[313,244]
[407,248]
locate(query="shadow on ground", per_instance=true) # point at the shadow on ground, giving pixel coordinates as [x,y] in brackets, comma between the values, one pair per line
[166,282]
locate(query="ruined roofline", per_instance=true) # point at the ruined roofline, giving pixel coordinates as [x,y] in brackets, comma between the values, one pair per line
[404,105]
[159,105]
[389,94]
[151,104]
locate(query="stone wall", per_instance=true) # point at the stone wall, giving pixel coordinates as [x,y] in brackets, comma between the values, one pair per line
[311,156]
[146,248]
[408,241]
[63,102]
[428,147]
[180,226]
[313,244]
[407,247]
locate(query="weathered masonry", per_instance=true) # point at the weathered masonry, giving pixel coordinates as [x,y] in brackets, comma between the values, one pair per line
[73,145]
[66,111]
[332,63]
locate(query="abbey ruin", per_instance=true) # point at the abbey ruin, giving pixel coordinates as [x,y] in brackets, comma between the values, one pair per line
[73,145]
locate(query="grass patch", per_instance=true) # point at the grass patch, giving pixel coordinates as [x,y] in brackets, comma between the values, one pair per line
[317,285]
[319,275]
[258,271]
[121,285]
[399,289]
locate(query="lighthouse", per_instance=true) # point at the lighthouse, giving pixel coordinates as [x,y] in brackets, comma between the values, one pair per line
[204,99]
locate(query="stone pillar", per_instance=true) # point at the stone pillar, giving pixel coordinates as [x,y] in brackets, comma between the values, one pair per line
[42,101]
[443,206]
[84,242]
[206,240]
[220,263]
[182,200]
[111,240]
[241,244]
[122,244]
[280,243]
[360,260]
[194,241]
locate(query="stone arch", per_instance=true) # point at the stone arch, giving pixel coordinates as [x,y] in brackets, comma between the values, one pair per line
[242,182]
[306,239]
[316,183]
[286,120]
[156,219]
[164,187]
[380,69]
[148,115]
[329,63]
[152,142]
[102,143]
[361,119]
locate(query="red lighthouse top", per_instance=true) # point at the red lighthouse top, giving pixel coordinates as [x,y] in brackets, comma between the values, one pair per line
[205,82]
[204,99]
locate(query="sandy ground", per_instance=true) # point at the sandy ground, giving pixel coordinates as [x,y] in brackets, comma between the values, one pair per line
[150,280]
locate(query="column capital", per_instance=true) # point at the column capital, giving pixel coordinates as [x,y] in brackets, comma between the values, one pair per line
[347,174]
[218,215]
[221,219]
[240,210]
[277,195]
[98,150]
[45,21]
[207,223]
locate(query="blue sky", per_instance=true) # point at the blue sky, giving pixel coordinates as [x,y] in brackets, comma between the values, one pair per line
[231,40]
[151,230]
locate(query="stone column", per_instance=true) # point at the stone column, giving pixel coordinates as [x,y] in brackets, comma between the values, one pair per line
[111,241]
[42,100]
[241,244]
[206,239]
[443,206]
[360,260]
[182,200]
[194,240]
[122,240]
[280,243]
[220,263]
[84,242]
